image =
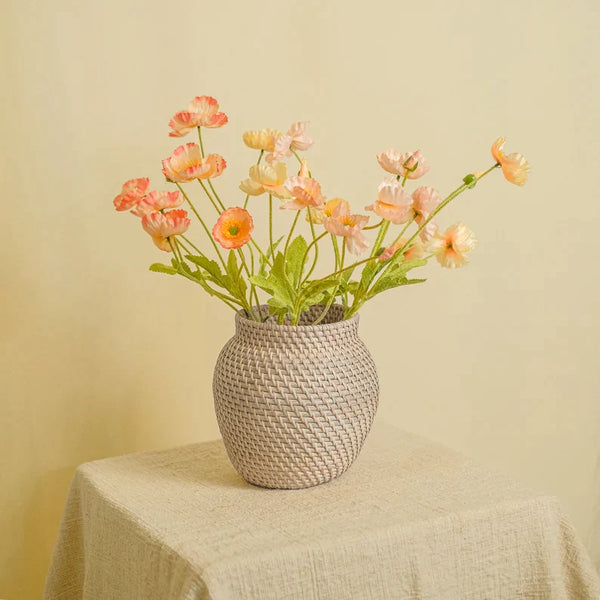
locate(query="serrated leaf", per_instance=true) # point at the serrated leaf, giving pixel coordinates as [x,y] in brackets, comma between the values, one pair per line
[232,265]
[160,268]
[395,276]
[294,260]
[206,263]
[212,268]
[277,283]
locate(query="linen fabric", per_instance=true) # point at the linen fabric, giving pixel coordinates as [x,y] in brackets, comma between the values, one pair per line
[409,520]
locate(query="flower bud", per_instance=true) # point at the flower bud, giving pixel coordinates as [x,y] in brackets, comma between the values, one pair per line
[470,180]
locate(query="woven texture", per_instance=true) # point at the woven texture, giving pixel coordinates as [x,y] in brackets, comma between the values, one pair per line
[409,521]
[295,403]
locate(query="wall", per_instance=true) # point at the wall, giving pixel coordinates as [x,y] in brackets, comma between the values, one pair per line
[101,357]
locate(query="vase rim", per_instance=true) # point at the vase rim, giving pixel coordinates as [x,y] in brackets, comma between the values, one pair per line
[242,319]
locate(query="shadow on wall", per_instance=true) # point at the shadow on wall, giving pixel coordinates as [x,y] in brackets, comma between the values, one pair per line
[40,513]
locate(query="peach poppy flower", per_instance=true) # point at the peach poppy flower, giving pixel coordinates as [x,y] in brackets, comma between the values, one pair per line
[514,166]
[233,228]
[186,163]
[413,252]
[267,179]
[131,193]
[305,191]
[156,201]
[450,247]
[294,139]
[410,164]
[162,226]
[393,203]
[425,201]
[341,207]
[349,227]
[263,139]
[202,112]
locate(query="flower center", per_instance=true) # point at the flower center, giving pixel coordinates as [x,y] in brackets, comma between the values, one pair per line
[233,230]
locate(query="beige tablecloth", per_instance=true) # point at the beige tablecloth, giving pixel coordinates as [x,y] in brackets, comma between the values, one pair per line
[410,520]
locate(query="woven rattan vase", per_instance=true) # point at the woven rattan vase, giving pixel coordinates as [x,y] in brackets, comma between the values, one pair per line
[295,403]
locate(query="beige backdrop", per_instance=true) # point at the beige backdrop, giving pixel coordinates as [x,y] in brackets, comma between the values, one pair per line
[102,357]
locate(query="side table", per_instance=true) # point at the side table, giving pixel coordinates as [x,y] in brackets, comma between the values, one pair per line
[409,520]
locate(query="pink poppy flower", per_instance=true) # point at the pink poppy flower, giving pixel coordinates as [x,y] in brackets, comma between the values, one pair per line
[425,201]
[266,179]
[409,164]
[202,112]
[186,163]
[350,227]
[305,191]
[233,228]
[393,203]
[413,252]
[162,226]
[294,139]
[131,193]
[450,247]
[515,167]
[156,201]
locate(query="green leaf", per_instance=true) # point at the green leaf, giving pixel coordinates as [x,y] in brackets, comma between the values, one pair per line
[314,292]
[353,287]
[277,283]
[237,283]
[160,268]
[368,273]
[395,276]
[232,266]
[212,268]
[294,260]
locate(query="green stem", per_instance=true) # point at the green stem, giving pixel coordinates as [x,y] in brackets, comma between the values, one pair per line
[192,245]
[216,195]
[334,292]
[296,155]
[245,267]
[289,237]
[399,236]
[253,287]
[374,226]
[209,181]
[380,237]
[336,250]
[271,226]
[200,140]
[175,248]
[314,243]
[262,254]
[352,266]
[212,201]
[208,233]
[459,190]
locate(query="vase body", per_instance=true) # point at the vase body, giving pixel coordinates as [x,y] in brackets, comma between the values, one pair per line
[295,403]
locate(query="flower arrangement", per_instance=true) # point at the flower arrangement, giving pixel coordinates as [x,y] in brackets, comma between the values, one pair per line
[241,270]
